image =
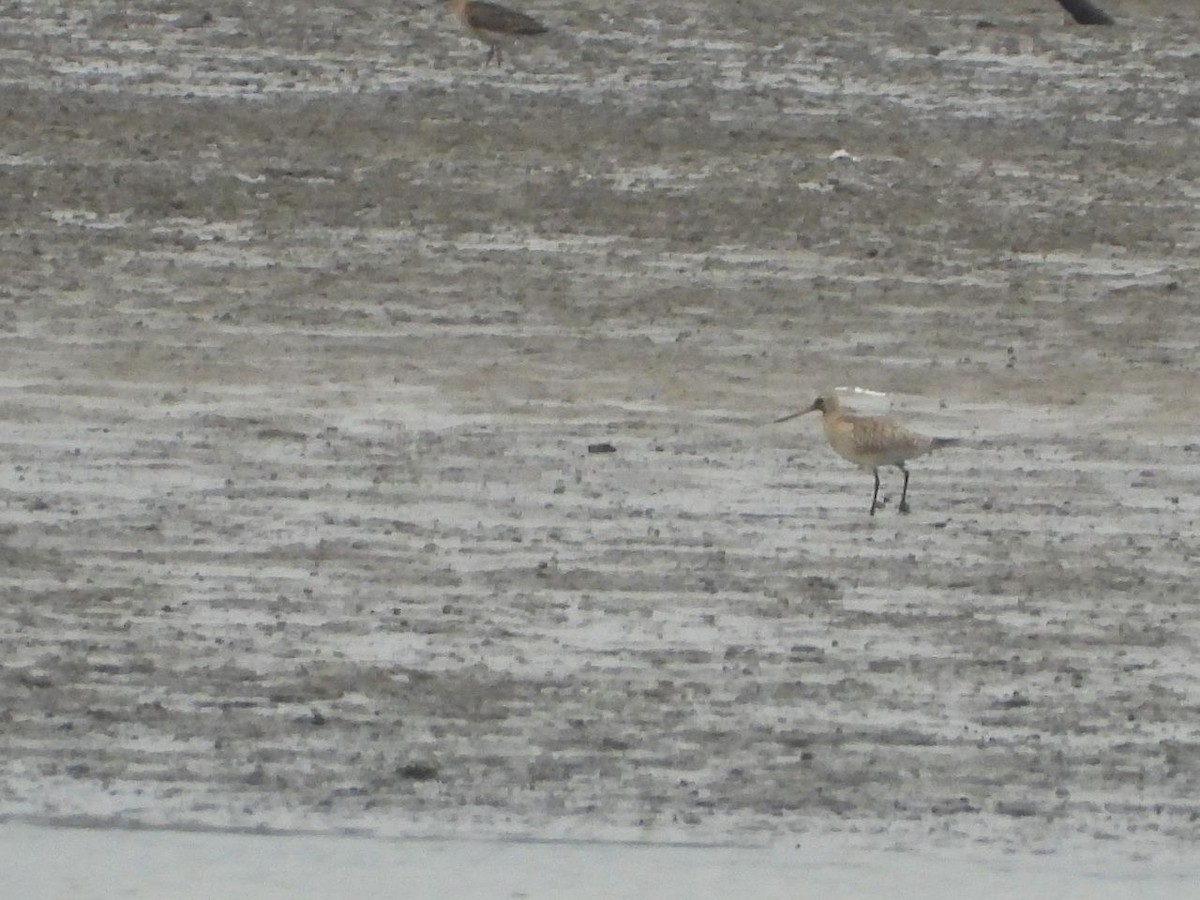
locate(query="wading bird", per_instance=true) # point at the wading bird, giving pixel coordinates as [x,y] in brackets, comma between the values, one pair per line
[871,441]
[494,24]
[1085,12]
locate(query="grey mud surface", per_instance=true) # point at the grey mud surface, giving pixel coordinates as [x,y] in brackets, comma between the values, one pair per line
[308,323]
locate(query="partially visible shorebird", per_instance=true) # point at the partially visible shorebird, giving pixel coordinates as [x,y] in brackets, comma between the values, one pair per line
[494,24]
[871,441]
[1085,12]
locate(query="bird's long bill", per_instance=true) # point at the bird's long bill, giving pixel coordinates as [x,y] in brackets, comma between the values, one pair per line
[798,412]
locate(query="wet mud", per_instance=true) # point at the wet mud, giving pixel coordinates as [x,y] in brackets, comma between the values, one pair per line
[313,331]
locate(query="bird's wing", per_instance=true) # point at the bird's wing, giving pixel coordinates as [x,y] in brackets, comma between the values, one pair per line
[494,17]
[884,438]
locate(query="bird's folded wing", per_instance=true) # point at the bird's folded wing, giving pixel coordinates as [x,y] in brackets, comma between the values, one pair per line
[501,20]
[881,436]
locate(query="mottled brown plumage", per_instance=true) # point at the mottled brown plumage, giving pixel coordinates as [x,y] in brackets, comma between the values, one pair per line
[871,441]
[494,24]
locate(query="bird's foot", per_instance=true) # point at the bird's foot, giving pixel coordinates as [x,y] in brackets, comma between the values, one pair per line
[904,507]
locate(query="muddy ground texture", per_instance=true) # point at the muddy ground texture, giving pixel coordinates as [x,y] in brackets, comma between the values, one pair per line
[308,324]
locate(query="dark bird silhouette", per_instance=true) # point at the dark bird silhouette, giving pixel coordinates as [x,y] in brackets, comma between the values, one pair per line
[1085,12]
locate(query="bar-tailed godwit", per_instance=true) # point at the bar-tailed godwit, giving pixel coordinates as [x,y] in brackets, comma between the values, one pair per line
[871,441]
[494,24]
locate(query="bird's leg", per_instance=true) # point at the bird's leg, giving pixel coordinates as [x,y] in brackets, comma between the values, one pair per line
[875,496]
[904,493]
[492,48]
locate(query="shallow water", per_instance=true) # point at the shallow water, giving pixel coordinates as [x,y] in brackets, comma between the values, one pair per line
[42,863]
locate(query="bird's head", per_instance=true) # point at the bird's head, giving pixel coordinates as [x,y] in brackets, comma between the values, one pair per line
[823,404]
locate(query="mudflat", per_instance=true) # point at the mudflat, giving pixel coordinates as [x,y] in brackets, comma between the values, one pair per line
[387,440]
